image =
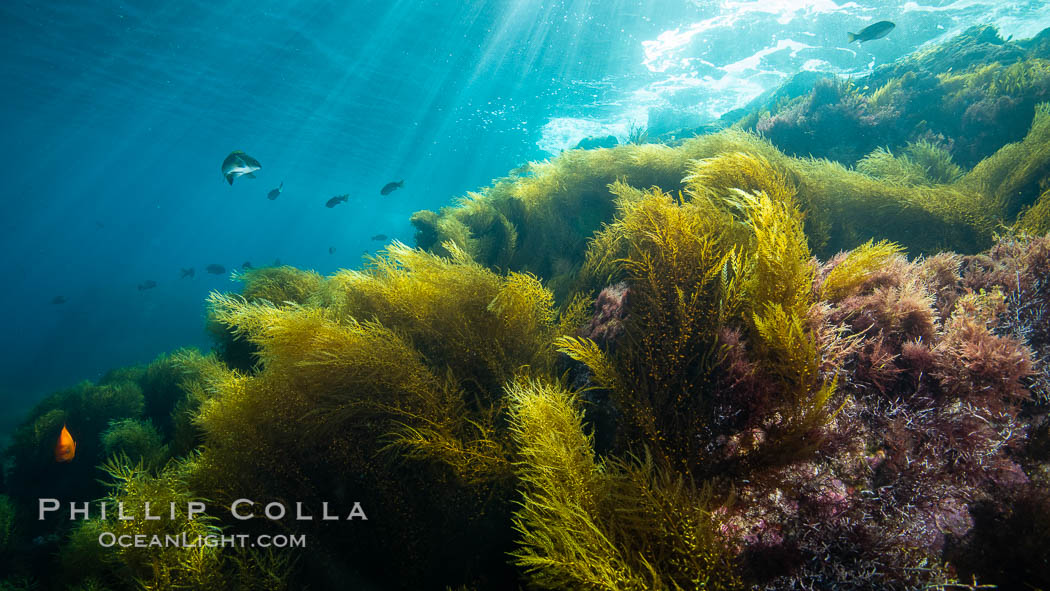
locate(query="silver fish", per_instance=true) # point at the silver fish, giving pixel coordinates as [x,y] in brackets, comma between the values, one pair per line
[239,164]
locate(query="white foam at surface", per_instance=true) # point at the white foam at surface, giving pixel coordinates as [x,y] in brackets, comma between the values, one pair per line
[691,72]
[1020,20]
[660,53]
[752,61]
[563,133]
[817,66]
[787,10]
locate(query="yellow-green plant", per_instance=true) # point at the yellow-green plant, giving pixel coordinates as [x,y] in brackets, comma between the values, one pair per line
[394,373]
[722,260]
[279,284]
[163,386]
[851,272]
[138,440]
[935,161]
[996,79]
[721,176]
[454,311]
[883,164]
[586,524]
[855,208]
[197,376]
[423,340]
[882,97]
[539,222]
[779,287]
[160,566]
[1015,175]
[1036,219]
[683,262]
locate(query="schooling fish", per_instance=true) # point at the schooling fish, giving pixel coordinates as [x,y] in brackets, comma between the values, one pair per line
[391,187]
[337,200]
[275,193]
[215,269]
[147,284]
[379,237]
[59,300]
[239,164]
[66,447]
[870,32]
[184,273]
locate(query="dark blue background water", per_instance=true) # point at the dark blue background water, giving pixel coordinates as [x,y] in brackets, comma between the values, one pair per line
[117,115]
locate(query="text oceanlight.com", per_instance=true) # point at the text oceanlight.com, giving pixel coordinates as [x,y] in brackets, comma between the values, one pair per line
[241,509]
[109,540]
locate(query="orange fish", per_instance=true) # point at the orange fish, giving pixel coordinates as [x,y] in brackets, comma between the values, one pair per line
[66,447]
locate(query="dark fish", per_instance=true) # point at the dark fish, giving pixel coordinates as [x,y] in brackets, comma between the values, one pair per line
[239,164]
[99,225]
[379,237]
[215,269]
[276,263]
[184,273]
[331,250]
[59,300]
[874,31]
[147,284]
[275,193]
[246,265]
[391,187]
[337,200]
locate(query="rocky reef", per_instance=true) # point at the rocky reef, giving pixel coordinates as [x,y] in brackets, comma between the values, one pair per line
[721,364]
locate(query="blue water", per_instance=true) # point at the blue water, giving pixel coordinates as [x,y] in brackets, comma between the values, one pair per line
[117,115]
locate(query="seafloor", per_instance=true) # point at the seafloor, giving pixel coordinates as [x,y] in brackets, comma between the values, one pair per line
[805,348]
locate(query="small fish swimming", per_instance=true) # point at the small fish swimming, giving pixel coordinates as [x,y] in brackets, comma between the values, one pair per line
[391,187]
[147,284]
[184,273]
[337,200]
[59,300]
[331,250]
[873,31]
[275,193]
[246,265]
[66,447]
[215,269]
[239,164]
[379,237]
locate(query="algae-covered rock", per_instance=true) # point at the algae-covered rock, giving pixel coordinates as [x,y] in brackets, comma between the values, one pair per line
[973,94]
[815,360]
[590,143]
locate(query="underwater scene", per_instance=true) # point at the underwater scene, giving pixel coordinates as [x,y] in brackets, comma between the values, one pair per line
[524,294]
